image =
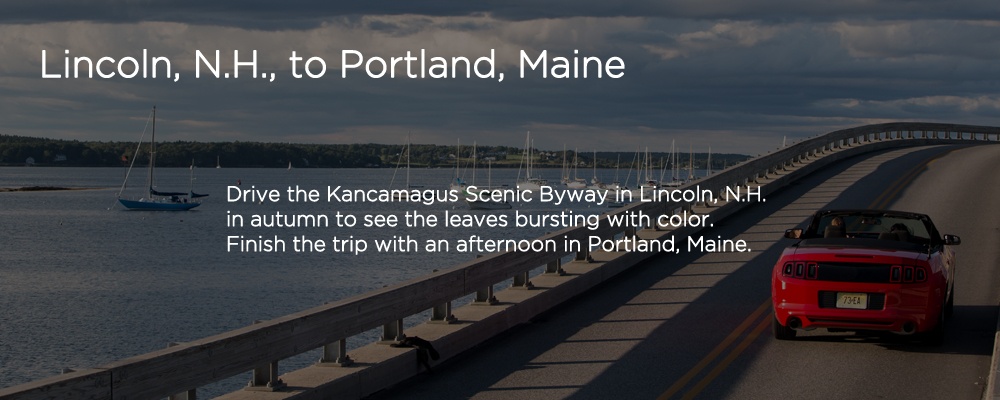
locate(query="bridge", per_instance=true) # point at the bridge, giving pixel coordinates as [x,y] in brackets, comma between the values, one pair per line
[680,325]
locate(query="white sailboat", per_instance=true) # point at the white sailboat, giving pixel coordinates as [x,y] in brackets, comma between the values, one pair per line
[648,183]
[529,182]
[576,182]
[595,182]
[458,184]
[691,164]
[674,182]
[409,194]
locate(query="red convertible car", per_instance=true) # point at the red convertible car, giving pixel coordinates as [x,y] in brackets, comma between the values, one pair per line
[865,270]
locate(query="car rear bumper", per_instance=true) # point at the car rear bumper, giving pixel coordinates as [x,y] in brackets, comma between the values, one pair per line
[885,320]
[903,309]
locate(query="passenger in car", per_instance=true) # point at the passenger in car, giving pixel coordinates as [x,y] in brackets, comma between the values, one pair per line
[835,229]
[900,232]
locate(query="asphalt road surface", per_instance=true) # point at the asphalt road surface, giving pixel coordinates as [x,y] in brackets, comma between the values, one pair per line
[698,325]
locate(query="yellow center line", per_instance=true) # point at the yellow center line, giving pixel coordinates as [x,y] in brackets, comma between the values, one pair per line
[889,195]
[677,386]
[722,365]
[883,200]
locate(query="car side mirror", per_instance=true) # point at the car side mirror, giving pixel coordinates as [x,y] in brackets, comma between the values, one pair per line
[952,240]
[793,233]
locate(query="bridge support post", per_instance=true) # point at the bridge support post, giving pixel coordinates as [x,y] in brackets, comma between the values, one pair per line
[521,281]
[392,332]
[335,355]
[188,395]
[583,255]
[484,296]
[441,314]
[554,267]
[265,378]
[629,235]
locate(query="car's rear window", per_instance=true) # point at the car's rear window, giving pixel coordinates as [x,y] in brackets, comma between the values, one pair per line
[897,228]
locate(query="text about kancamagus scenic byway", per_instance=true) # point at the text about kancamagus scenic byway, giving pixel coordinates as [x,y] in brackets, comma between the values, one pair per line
[271,228]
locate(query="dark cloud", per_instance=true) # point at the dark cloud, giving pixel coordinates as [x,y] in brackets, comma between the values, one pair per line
[302,14]
[739,77]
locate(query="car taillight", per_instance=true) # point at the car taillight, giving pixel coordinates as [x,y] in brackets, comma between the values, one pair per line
[801,270]
[907,274]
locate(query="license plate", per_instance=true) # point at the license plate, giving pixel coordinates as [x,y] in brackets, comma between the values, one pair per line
[852,300]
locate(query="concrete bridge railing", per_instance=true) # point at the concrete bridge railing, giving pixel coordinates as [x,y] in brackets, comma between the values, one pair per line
[178,371]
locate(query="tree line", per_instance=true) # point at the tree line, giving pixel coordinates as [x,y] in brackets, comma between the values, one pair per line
[18,150]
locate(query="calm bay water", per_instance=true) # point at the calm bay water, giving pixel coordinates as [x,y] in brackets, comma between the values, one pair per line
[84,282]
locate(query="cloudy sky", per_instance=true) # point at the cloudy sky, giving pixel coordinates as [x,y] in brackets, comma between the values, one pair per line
[736,75]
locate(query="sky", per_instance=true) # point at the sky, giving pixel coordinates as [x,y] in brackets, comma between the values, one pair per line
[735,76]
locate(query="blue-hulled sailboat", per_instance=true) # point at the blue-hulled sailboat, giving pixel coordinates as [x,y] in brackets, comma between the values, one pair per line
[157,200]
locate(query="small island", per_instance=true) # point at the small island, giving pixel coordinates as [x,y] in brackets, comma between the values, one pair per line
[37,189]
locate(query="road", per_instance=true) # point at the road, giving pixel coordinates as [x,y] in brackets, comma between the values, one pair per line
[698,325]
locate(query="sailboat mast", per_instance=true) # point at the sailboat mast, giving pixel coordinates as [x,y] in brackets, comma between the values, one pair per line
[565,170]
[576,163]
[152,153]
[709,162]
[191,190]
[618,164]
[595,167]
[673,162]
[407,160]
[691,162]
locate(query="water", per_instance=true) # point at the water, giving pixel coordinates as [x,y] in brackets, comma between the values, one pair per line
[83,282]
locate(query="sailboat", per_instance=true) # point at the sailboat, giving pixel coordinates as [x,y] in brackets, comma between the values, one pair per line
[691,176]
[674,182]
[529,183]
[191,193]
[458,185]
[156,200]
[478,204]
[407,194]
[576,182]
